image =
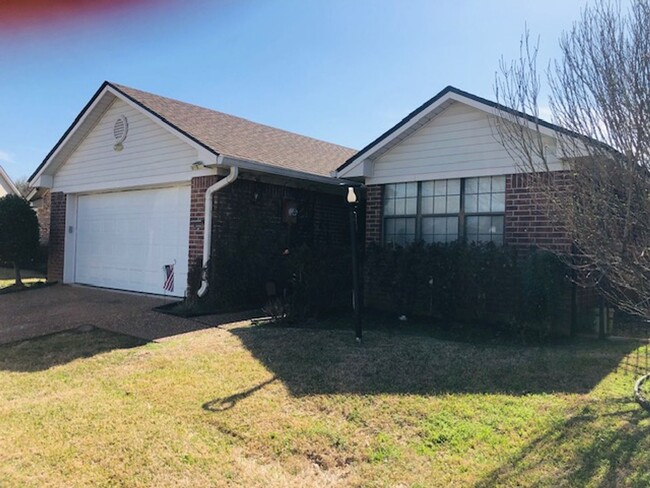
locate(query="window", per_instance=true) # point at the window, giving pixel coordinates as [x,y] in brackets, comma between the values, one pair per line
[445,210]
[400,210]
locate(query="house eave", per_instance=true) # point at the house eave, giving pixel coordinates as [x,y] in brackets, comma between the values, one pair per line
[261,168]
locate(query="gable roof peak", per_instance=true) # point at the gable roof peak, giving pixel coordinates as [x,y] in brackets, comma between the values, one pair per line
[237,137]
[222,134]
[425,109]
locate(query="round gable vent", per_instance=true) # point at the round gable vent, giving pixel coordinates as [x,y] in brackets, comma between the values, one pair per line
[120,130]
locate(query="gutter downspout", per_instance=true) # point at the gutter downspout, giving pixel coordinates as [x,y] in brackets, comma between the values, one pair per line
[207,219]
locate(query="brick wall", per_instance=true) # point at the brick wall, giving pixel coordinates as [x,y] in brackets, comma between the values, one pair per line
[251,232]
[322,218]
[197,213]
[374,197]
[247,216]
[529,223]
[57,237]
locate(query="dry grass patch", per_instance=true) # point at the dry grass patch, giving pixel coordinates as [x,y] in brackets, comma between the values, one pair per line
[258,406]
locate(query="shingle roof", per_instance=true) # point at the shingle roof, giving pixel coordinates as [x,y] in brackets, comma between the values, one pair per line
[240,138]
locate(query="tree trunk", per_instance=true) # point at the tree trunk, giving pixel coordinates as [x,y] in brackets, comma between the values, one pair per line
[19,279]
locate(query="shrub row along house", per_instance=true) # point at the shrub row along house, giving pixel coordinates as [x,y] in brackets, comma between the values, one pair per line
[128,183]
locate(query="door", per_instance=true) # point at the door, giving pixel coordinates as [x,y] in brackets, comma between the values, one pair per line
[125,239]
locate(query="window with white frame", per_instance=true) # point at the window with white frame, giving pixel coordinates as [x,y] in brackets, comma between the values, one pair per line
[445,210]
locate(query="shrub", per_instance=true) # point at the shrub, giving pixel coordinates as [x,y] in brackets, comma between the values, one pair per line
[543,283]
[18,233]
[466,283]
[454,281]
[320,280]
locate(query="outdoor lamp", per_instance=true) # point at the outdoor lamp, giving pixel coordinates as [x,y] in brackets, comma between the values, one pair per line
[352,196]
[352,199]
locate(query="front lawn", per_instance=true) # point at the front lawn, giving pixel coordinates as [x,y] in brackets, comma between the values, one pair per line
[278,407]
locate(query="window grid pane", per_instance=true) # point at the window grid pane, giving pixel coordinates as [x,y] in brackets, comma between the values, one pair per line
[400,231]
[440,197]
[400,199]
[486,194]
[439,229]
[439,210]
[484,228]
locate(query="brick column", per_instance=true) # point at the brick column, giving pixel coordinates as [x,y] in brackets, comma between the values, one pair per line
[197,216]
[56,247]
[374,196]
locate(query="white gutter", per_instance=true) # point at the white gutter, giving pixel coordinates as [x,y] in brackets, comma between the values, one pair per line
[207,221]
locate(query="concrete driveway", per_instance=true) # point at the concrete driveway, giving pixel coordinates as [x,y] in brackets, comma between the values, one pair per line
[29,314]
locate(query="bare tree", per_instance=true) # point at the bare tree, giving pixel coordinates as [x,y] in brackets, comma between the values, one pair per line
[23,186]
[600,97]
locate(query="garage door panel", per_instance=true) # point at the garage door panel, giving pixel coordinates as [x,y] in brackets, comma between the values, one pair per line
[124,239]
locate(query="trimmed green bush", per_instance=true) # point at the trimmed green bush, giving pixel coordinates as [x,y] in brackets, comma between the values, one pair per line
[459,282]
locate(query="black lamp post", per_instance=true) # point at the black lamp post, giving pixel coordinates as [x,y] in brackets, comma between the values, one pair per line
[353,200]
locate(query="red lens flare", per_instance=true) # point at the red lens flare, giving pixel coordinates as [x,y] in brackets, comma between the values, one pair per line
[17,14]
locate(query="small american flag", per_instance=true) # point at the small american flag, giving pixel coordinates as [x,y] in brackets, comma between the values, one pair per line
[168,285]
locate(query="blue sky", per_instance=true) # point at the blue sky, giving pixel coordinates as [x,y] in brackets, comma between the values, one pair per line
[339,70]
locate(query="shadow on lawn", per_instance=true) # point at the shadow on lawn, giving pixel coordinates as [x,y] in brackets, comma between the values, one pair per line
[328,361]
[604,444]
[223,404]
[63,347]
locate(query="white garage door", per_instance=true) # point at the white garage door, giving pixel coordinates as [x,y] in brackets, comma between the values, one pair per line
[125,239]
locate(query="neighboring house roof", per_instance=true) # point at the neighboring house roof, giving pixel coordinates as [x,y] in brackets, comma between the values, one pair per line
[429,109]
[6,184]
[222,134]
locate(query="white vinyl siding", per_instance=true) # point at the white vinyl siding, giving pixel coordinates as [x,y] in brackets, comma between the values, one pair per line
[5,187]
[459,142]
[151,156]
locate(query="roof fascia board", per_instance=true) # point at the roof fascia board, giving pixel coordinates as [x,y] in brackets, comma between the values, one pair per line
[9,182]
[504,114]
[206,154]
[247,164]
[83,115]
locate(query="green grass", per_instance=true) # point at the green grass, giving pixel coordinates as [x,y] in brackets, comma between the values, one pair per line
[264,406]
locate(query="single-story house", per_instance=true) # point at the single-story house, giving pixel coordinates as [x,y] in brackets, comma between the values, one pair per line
[128,182]
[7,187]
[132,183]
